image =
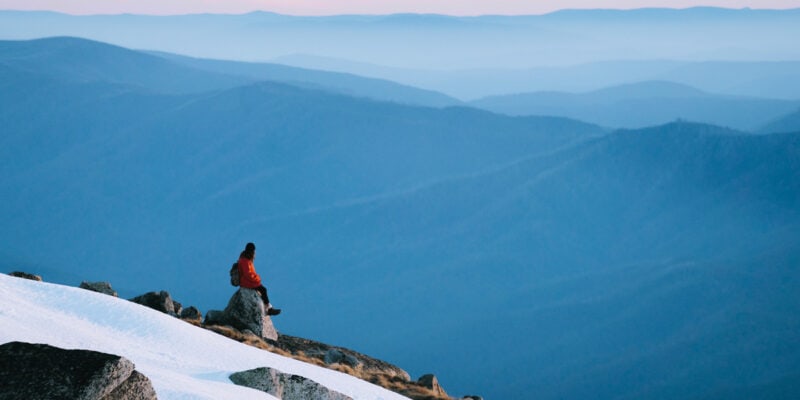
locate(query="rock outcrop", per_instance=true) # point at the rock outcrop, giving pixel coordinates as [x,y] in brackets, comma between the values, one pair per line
[99,287]
[214,317]
[25,275]
[191,313]
[136,387]
[177,308]
[429,381]
[245,312]
[285,386]
[336,356]
[40,371]
[332,355]
[162,301]
[159,301]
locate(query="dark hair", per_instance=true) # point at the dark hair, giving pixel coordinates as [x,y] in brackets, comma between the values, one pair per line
[249,251]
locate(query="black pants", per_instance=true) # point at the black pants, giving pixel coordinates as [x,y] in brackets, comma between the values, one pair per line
[263,291]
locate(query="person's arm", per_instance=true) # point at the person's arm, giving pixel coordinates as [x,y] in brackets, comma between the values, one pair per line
[247,273]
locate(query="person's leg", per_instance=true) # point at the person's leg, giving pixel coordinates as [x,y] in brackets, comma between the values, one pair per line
[263,291]
[270,310]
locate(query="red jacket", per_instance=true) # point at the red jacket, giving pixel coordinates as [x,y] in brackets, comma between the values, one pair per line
[248,278]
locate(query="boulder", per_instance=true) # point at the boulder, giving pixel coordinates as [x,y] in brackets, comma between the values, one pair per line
[245,311]
[472,397]
[215,317]
[336,356]
[177,308]
[40,371]
[367,365]
[191,313]
[136,387]
[429,381]
[160,301]
[25,275]
[99,287]
[285,386]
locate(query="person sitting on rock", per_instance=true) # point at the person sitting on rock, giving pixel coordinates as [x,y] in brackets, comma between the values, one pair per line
[248,278]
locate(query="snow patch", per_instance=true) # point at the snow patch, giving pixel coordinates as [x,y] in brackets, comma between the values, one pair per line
[182,361]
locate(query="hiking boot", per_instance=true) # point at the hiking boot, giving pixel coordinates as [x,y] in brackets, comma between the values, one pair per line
[273,311]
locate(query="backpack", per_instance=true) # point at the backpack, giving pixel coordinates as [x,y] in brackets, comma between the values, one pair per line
[235,274]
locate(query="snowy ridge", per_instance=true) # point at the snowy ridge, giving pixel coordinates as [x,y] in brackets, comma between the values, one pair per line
[181,360]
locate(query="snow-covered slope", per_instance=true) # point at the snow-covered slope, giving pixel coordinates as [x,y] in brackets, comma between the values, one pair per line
[183,361]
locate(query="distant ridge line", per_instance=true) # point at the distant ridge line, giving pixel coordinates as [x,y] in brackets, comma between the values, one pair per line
[413,14]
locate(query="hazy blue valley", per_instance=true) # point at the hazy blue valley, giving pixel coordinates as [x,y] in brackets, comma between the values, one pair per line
[600,227]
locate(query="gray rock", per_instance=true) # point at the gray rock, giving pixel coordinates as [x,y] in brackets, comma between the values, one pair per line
[336,356]
[245,310]
[285,386]
[215,317]
[191,313]
[160,301]
[177,308]
[366,364]
[25,275]
[472,397]
[40,371]
[99,287]
[136,387]
[429,381]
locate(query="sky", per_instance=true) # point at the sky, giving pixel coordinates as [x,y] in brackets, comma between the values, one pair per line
[330,7]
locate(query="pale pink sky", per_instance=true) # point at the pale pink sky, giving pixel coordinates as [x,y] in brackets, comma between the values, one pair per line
[328,7]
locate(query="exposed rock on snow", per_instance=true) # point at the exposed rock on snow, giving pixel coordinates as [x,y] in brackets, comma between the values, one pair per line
[285,386]
[214,317]
[160,301]
[40,371]
[100,287]
[336,356]
[136,387]
[245,312]
[177,308]
[25,275]
[191,313]
[429,381]
[329,355]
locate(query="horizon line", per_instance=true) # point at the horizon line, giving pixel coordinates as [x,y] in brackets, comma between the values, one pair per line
[607,9]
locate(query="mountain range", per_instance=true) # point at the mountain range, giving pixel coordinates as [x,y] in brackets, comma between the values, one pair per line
[643,104]
[632,105]
[784,124]
[349,84]
[440,42]
[79,60]
[573,51]
[519,257]
[763,79]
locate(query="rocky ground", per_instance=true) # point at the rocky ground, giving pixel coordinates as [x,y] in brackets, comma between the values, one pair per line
[344,360]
